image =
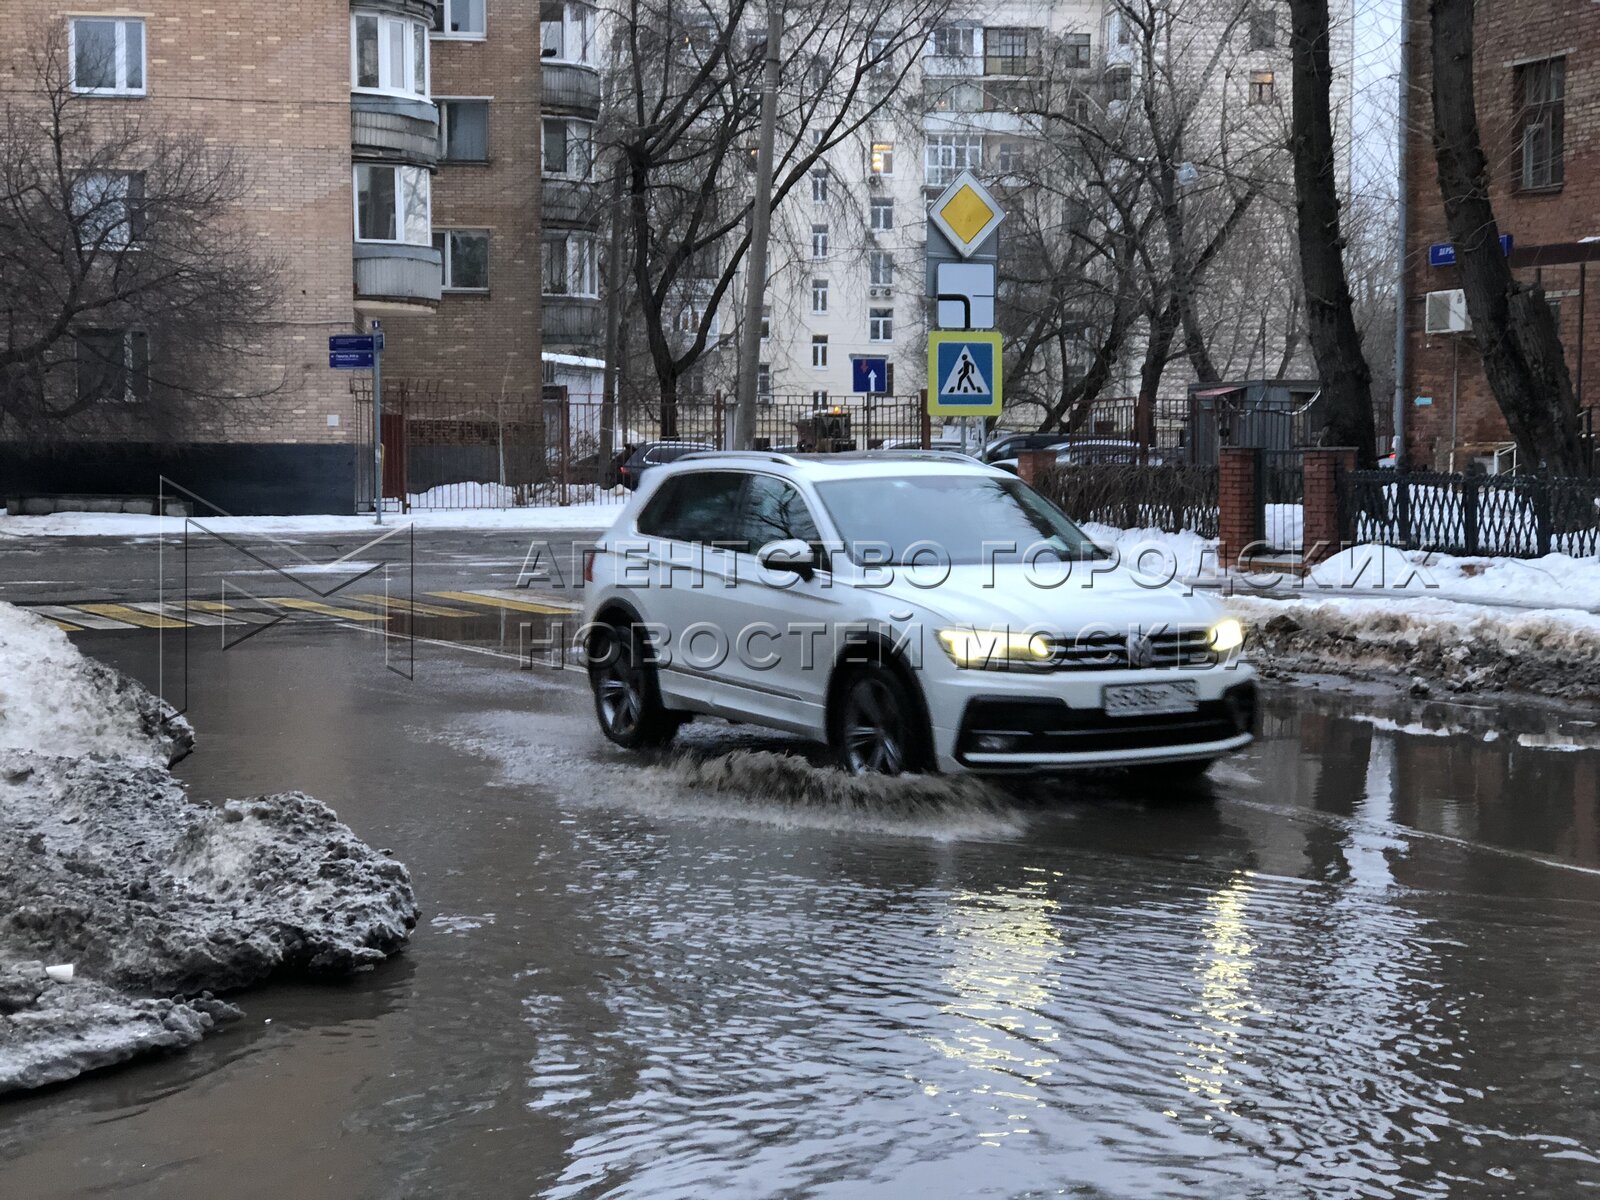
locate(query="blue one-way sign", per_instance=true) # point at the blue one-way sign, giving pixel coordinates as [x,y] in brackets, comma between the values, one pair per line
[869,376]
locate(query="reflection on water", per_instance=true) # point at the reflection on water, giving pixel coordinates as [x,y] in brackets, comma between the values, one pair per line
[1363,967]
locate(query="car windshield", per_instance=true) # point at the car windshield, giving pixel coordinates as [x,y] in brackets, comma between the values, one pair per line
[958,519]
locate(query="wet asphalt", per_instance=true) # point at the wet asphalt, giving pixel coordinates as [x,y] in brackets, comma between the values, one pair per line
[1360,964]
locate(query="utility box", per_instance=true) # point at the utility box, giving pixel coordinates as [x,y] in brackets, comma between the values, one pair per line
[1264,414]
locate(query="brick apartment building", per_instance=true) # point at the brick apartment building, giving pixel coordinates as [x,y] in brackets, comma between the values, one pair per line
[391,149]
[1537,77]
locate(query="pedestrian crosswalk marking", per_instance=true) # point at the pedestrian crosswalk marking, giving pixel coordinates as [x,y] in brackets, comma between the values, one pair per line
[323,610]
[499,601]
[400,604]
[234,613]
[131,616]
[176,613]
[71,616]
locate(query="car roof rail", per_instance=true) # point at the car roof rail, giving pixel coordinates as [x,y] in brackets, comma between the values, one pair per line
[763,455]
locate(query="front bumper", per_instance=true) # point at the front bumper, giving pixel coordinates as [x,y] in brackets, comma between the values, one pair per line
[1017,729]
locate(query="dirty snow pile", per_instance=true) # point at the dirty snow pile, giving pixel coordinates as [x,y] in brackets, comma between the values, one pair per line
[123,903]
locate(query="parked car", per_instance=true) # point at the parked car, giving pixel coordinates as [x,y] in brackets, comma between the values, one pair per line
[1094,451]
[654,454]
[813,616]
[1009,445]
[953,445]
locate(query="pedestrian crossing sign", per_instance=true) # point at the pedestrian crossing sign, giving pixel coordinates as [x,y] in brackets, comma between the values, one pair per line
[964,373]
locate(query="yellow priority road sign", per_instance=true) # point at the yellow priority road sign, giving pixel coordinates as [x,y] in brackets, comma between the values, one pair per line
[966,214]
[964,373]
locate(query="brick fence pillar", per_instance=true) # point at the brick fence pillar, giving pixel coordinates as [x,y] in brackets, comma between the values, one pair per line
[1323,533]
[1241,517]
[1031,462]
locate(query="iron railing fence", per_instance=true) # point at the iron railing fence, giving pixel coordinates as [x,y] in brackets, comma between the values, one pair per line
[1520,516]
[1282,487]
[1172,497]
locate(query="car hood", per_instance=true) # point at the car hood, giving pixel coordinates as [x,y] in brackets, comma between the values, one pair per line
[1015,596]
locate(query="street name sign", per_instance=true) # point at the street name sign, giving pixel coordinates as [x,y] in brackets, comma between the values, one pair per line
[964,373]
[1443,254]
[352,351]
[869,376]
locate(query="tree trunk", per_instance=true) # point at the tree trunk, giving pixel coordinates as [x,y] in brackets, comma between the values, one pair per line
[1157,350]
[1511,323]
[1330,317]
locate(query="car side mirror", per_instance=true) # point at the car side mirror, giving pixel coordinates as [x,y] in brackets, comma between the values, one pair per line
[789,554]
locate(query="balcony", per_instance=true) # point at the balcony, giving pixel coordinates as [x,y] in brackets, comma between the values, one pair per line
[396,276]
[570,88]
[394,129]
[569,203]
[572,321]
[417,10]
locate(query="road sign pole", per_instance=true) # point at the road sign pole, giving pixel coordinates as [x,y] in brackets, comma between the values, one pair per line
[377,427]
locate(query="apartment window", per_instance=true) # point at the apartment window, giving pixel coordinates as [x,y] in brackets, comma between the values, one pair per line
[766,321]
[568,148]
[880,324]
[881,159]
[1077,50]
[819,350]
[567,32]
[464,254]
[763,379]
[819,241]
[1010,51]
[392,205]
[819,296]
[109,207]
[107,56]
[113,366]
[880,59]
[1543,89]
[1011,158]
[1124,28]
[819,185]
[962,95]
[1119,84]
[881,214]
[1261,87]
[956,40]
[464,130]
[571,265]
[880,269]
[818,73]
[819,399]
[461,18]
[1263,28]
[949,154]
[388,54]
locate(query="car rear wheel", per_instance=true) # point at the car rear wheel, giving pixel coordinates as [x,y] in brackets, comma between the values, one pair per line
[877,726]
[627,694]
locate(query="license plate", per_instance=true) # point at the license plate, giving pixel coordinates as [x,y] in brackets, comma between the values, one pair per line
[1151,699]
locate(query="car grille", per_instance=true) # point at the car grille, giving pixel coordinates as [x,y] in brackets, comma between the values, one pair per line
[1119,651]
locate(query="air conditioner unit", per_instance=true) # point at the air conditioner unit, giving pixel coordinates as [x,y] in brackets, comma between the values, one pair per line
[1447,312]
[874,179]
[878,293]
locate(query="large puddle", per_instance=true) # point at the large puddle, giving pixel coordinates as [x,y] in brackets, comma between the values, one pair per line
[1362,966]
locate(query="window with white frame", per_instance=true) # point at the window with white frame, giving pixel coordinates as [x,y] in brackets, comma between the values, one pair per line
[461,19]
[464,259]
[1011,50]
[568,147]
[1542,123]
[388,54]
[567,32]
[1262,86]
[959,39]
[881,214]
[880,59]
[766,321]
[819,350]
[464,130]
[949,154]
[819,296]
[880,324]
[113,366]
[1077,50]
[392,204]
[1119,84]
[880,160]
[109,209]
[880,269]
[107,56]
[819,185]
[819,241]
[763,379]
[819,399]
[571,265]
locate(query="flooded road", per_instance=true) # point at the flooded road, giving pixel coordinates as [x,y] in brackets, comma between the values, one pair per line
[1363,966]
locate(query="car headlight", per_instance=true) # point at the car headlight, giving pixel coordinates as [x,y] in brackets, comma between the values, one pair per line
[994,649]
[1227,634]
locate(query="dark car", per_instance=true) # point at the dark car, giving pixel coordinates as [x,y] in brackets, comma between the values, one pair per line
[651,454]
[1010,445]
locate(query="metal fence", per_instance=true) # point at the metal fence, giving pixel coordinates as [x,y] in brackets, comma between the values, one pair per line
[1282,485]
[1523,516]
[1173,497]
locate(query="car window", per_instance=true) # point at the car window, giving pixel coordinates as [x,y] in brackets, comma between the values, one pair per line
[775,510]
[698,507]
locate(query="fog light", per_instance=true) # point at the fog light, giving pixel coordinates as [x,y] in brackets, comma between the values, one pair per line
[995,743]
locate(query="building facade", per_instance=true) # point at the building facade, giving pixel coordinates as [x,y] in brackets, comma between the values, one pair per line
[1537,82]
[374,199]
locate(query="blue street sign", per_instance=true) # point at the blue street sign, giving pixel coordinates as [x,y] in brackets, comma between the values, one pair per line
[1443,254]
[869,376]
[964,373]
[350,360]
[351,343]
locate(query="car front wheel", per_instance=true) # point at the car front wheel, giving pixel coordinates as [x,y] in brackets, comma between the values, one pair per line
[877,727]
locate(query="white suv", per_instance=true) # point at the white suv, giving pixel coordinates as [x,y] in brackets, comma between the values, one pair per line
[918,611]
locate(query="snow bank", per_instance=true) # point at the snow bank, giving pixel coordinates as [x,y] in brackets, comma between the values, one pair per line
[153,899]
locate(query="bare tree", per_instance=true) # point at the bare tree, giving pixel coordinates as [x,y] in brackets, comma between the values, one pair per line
[1511,321]
[683,120]
[127,290]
